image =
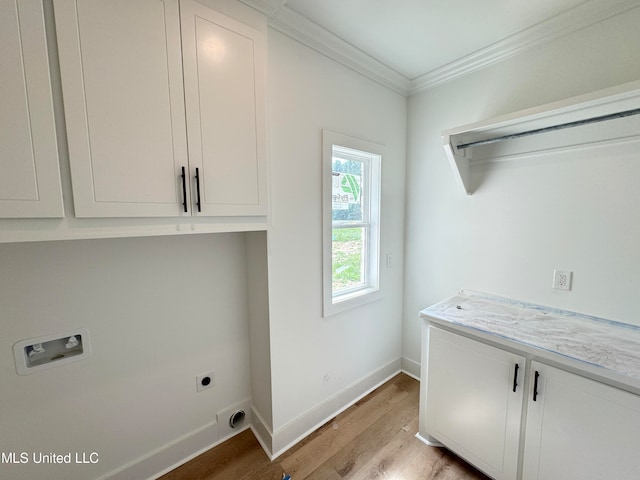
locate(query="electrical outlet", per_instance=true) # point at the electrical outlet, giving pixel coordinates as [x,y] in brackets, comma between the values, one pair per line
[205,381]
[562,279]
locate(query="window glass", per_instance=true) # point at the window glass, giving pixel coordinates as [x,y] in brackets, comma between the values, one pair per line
[347,190]
[349,212]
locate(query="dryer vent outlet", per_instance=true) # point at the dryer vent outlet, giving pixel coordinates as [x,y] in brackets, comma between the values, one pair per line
[233,419]
[237,419]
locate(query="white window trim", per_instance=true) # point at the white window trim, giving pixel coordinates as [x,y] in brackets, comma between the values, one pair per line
[361,296]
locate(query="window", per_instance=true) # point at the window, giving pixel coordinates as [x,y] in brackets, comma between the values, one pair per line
[351,221]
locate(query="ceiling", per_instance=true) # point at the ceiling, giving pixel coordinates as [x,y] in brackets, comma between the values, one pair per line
[414,37]
[413,44]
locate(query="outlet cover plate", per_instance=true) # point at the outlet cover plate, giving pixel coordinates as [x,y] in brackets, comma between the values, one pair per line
[562,279]
[202,383]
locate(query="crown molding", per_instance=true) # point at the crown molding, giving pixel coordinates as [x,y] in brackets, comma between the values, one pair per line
[294,25]
[299,28]
[577,18]
[268,7]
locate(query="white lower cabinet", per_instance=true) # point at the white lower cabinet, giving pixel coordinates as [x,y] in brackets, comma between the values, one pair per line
[474,401]
[578,428]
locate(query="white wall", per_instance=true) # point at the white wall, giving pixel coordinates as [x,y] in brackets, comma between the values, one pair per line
[159,310]
[529,217]
[259,331]
[316,361]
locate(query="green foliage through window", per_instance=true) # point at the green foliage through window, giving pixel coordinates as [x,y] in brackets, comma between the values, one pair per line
[347,266]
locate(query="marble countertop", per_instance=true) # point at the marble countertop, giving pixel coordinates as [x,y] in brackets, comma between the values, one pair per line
[604,343]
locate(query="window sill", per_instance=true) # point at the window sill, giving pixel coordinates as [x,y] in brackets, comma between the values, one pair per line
[350,300]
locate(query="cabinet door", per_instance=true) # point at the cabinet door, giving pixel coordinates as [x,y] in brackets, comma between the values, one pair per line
[579,428]
[121,72]
[224,64]
[30,179]
[471,405]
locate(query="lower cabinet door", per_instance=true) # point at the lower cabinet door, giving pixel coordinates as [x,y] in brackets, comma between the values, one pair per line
[580,429]
[474,401]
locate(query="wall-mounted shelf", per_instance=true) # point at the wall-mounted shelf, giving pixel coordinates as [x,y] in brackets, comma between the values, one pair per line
[600,118]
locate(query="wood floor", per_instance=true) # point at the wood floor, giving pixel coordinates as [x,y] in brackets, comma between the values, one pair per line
[372,439]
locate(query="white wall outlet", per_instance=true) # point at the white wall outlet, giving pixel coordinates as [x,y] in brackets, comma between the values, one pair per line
[562,279]
[205,381]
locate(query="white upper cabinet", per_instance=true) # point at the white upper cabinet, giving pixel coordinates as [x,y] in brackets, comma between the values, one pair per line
[124,98]
[225,100]
[121,72]
[30,179]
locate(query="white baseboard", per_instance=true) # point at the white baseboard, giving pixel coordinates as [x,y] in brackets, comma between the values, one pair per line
[262,432]
[295,430]
[411,368]
[172,455]
[189,446]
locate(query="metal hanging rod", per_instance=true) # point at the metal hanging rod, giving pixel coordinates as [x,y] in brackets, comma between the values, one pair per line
[577,123]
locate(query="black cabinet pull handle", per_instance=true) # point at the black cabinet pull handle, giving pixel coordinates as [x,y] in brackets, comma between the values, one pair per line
[184,190]
[198,188]
[535,386]
[515,377]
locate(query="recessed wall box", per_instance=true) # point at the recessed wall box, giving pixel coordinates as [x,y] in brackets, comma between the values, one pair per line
[35,354]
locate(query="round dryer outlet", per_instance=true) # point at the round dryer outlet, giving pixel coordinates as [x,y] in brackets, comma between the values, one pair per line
[237,419]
